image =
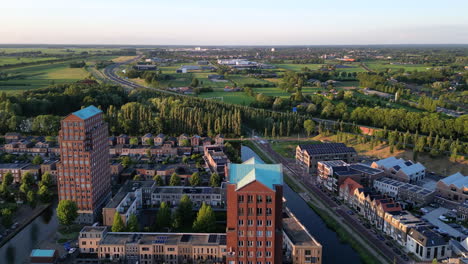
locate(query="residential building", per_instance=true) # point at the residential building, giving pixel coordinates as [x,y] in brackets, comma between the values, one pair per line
[398,224]
[308,155]
[12,136]
[147,139]
[216,160]
[18,170]
[347,190]
[123,139]
[214,197]
[399,169]
[159,139]
[219,140]
[84,170]
[331,174]
[427,245]
[254,213]
[299,245]
[409,193]
[453,187]
[152,248]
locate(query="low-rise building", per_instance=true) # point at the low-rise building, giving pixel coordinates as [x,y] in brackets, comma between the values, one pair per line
[18,170]
[397,225]
[216,197]
[216,160]
[409,193]
[308,155]
[427,245]
[153,248]
[453,187]
[405,171]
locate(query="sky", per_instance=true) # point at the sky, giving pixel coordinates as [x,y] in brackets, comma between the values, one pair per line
[234,22]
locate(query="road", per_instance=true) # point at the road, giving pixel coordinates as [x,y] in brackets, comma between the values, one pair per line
[360,233]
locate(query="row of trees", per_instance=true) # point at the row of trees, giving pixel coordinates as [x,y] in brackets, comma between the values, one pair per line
[182,219]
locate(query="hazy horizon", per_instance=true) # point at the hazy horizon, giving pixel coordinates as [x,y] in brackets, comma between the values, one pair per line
[245,23]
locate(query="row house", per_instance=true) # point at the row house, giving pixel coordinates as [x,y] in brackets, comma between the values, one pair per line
[215,197]
[216,160]
[409,193]
[427,245]
[152,248]
[12,136]
[18,170]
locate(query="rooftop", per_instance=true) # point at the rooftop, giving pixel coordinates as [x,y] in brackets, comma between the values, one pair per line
[87,112]
[459,180]
[188,190]
[326,148]
[94,229]
[196,239]
[296,232]
[427,237]
[42,252]
[255,170]
[407,167]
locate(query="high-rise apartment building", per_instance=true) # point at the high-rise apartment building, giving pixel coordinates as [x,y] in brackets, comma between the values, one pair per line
[84,171]
[254,213]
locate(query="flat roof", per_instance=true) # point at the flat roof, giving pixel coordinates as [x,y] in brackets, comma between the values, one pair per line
[87,112]
[42,253]
[296,232]
[327,148]
[196,239]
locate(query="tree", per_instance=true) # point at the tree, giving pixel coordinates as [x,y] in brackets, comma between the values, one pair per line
[27,178]
[158,179]
[175,180]
[163,218]
[184,212]
[194,82]
[309,126]
[46,179]
[37,160]
[215,180]
[24,188]
[185,159]
[126,161]
[67,212]
[134,141]
[31,198]
[118,224]
[45,194]
[206,220]
[132,225]
[6,217]
[195,180]
[7,179]
[184,143]
[137,177]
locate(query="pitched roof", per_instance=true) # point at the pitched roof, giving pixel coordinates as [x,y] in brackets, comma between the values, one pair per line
[408,167]
[457,179]
[427,237]
[87,112]
[255,170]
[352,185]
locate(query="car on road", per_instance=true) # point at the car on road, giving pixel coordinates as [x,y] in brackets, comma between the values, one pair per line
[381,238]
[71,251]
[350,212]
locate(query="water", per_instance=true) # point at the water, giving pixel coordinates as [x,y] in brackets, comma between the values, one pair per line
[334,251]
[18,249]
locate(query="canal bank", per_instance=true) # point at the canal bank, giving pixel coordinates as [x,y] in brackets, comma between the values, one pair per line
[18,248]
[334,249]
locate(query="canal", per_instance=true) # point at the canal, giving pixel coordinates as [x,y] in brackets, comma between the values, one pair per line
[334,251]
[18,249]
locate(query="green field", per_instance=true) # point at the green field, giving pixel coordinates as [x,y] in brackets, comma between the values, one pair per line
[4,60]
[383,65]
[39,76]
[287,149]
[57,51]
[298,67]
[239,98]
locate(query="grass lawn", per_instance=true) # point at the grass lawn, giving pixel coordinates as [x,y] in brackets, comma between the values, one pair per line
[39,76]
[298,67]
[383,65]
[239,98]
[287,149]
[122,58]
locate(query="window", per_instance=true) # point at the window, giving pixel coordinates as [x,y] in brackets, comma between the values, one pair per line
[250,198]
[259,211]
[250,222]
[259,243]
[307,252]
[240,198]
[268,199]
[240,243]
[259,222]
[241,222]
[259,254]
[268,254]
[268,222]
[259,233]
[268,243]
[250,243]
[269,233]
[259,199]
[268,211]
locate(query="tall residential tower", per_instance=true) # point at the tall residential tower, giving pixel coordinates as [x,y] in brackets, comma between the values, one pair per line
[84,172]
[254,213]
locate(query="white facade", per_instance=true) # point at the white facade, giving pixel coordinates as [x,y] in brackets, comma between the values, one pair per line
[388,186]
[427,253]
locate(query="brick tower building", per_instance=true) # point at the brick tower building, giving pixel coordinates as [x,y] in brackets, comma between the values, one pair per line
[84,170]
[254,213]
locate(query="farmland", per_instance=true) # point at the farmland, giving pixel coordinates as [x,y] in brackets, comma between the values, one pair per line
[383,65]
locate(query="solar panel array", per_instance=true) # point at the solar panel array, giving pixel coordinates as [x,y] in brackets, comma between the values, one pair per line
[161,239]
[212,238]
[222,239]
[185,238]
[327,148]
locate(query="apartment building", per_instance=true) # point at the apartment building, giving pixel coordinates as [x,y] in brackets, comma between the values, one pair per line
[308,155]
[254,213]
[399,169]
[215,159]
[331,174]
[198,195]
[18,170]
[84,170]
[300,247]
[453,187]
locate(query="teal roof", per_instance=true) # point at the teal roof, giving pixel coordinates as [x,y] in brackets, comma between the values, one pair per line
[42,253]
[87,112]
[255,170]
